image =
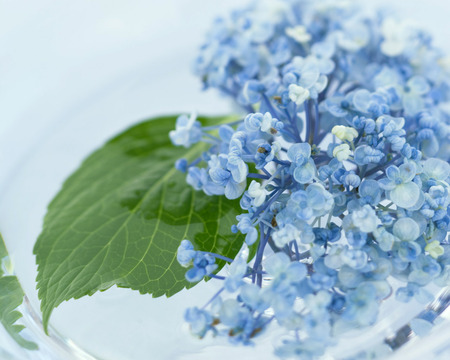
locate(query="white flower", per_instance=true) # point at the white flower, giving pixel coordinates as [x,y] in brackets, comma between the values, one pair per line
[434,249]
[397,37]
[342,152]
[267,123]
[365,219]
[298,94]
[344,132]
[299,34]
[257,192]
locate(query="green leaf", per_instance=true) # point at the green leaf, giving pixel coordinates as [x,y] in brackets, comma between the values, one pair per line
[11,297]
[121,216]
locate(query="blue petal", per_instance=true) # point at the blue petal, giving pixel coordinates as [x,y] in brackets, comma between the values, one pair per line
[277,263]
[393,172]
[361,100]
[219,176]
[387,184]
[336,109]
[239,170]
[234,190]
[310,74]
[299,150]
[437,169]
[407,171]
[406,229]
[405,195]
[226,132]
[195,274]
[418,85]
[251,236]
[304,174]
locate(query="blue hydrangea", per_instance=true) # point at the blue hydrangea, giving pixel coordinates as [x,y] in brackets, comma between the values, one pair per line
[340,162]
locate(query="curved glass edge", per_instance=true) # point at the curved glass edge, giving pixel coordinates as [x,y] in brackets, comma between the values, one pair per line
[423,337]
[51,347]
[30,342]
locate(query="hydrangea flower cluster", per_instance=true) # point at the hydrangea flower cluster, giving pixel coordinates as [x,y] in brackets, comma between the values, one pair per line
[340,164]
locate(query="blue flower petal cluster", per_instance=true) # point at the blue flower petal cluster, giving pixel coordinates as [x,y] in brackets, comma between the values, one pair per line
[341,164]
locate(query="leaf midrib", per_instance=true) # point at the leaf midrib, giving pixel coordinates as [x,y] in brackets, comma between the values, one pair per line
[169,174]
[53,247]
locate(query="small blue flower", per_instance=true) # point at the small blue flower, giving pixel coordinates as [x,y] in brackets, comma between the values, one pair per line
[188,131]
[350,179]
[243,326]
[412,95]
[204,265]
[362,307]
[266,153]
[374,104]
[286,275]
[327,171]
[318,281]
[251,92]
[200,321]
[413,291]
[365,219]
[365,124]
[369,192]
[392,129]
[199,179]
[356,259]
[409,251]
[315,201]
[235,164]
[181,165]
[302,72]
[365,155]
[303,167]
[234,280]
[357,239]
[339,106]
[384,238]
[325,235]
[246,226]
[436,169]
[252,296]
[323,52]
[424,269]
[401,189]
[265,123]
[185,253]
[286,234]
[231,177]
